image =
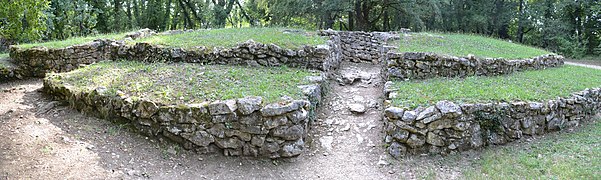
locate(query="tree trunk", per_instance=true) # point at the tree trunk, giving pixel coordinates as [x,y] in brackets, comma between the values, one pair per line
[521,18]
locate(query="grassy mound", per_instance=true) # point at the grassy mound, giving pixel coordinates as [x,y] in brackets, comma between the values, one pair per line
[230,37]
[189,83]
[569,156]
[525,86]
[73,41]
[209,38]
[462,45]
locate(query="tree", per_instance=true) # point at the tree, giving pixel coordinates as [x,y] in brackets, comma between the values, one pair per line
[23,20]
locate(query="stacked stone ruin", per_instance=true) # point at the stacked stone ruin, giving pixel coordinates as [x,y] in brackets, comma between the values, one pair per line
[247,127]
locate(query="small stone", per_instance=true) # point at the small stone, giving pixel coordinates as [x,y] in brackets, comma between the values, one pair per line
[429,115]
[394,113]
[448,108]
[434,139]
[357,108]
[249,105]
[326,142]
[409,116]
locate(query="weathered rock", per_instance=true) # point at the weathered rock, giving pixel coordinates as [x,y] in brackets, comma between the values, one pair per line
[278,109]
[222,107]
[289,133]
[231,143]
[249,105]
[357,108]
[146,109]
[429,115]
[409,116]
[293,149]
[397,150]
[434,139]
[448,109]
[416,141]
[200,138]
[394,113]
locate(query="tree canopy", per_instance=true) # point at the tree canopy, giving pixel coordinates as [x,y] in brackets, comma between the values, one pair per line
[569,27]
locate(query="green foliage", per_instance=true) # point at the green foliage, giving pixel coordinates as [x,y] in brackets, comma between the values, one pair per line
[525,86]
[189,83]
[229,37]
[22,20]
[559,156]
[462,45]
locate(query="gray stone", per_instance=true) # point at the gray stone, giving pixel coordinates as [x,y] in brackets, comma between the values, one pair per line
[297,116]
[278,109]
[397,150]
[326,142]
[222,107]
[416,141]
[249,105]
[289,133]
[434,139]
[409,116]
[233,143]
[429,115]
[440,124]
[146,109]
[257,140]
[401,135]
[394,113]
[242,135]
[217,130]
[357,108]
[275,121]
[293,149]
[448,108]
[200,138]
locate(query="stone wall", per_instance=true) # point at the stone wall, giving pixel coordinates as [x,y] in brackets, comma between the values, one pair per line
[428,65]
[448,127]
[236,127]
[358,46]
[36,62]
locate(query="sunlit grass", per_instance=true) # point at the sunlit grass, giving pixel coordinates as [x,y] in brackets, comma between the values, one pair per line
[229,37]
[562,156]
[73,41]
[525,86]
[189,83]
[463,44]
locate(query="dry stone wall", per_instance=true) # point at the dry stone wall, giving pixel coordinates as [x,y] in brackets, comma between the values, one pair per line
[36,62]
[358,46]
[245,126]
[448,127]
[416,65]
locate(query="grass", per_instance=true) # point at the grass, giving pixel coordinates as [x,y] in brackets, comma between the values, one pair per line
[189,83]
[3,63]
[229,37]
[527,85]
[463,44]
[569,156]
[72,41]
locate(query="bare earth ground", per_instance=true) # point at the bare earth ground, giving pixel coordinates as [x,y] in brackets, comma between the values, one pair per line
[41,139]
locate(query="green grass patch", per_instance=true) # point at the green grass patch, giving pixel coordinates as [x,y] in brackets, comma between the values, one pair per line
[229,37]
[463,44]
[562,156]
[3,61]
[526,86]
[73,41]
[189,83]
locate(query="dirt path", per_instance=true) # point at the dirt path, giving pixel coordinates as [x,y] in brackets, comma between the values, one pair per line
[583,65]
[42,139]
